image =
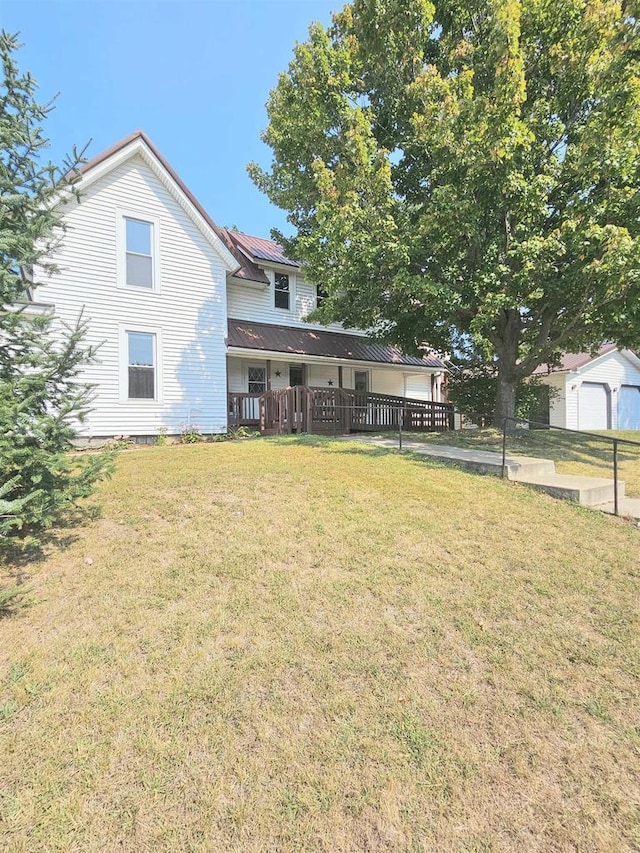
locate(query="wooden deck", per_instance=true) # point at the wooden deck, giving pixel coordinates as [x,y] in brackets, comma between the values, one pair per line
[335,411]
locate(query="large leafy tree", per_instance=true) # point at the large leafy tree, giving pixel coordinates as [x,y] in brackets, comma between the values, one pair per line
[42,396]
[466,173]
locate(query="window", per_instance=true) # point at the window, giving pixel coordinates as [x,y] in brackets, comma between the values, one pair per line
[141,349]
[282,290]
[257,377]
[139,253]
[321,295]
[360,381]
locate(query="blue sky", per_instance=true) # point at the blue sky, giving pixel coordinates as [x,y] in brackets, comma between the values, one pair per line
[194,75]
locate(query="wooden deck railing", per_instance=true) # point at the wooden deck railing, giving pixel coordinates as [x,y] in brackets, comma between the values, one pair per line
[244,410]
[336,411]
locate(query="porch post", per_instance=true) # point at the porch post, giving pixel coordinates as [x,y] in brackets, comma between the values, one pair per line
[268,374]
[339,376]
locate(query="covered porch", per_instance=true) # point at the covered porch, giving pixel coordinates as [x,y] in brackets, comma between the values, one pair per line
[283,379]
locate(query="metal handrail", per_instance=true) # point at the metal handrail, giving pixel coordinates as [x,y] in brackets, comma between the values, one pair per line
[614,441]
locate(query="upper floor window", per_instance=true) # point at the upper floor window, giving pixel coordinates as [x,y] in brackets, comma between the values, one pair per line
[141,362]
[282,290]
[321,295]
[139,253]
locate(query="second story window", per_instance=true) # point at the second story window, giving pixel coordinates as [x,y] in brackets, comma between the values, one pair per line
[139,249]
[321,295]
[282,292]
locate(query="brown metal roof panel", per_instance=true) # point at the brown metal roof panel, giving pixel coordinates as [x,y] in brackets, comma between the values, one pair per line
[259,248]
[286,339]
[248,270]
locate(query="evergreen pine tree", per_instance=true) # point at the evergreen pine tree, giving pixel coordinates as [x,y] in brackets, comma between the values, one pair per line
[42,396]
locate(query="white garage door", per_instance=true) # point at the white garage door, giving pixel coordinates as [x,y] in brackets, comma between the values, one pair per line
[593,406]
[629,407]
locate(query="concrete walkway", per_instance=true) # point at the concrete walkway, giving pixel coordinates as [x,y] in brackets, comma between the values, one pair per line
[594,492]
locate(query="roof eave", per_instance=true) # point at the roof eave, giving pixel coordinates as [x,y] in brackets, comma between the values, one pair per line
[288,354]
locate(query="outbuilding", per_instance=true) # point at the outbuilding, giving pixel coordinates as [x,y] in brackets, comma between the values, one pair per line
[594,392]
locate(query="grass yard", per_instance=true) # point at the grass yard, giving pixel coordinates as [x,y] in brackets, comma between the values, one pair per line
[281,645]
[572,452]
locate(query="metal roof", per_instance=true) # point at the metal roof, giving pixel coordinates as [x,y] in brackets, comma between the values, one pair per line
[258,248]
[296,341]
[248,271]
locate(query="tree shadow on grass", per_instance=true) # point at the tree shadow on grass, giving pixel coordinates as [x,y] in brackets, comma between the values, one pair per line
[17,560]
[354,447]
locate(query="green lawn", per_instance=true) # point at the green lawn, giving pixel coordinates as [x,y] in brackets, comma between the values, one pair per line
[573,453]
[294,645]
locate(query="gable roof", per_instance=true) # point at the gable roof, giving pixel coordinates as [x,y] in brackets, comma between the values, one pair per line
[573,361]
[138,143]
[296,341]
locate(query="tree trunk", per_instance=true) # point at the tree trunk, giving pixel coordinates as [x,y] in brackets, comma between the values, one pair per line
[505,400]
[508,376]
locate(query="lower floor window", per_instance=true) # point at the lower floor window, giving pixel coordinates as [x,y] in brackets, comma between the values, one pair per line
[257,377]
[141,347]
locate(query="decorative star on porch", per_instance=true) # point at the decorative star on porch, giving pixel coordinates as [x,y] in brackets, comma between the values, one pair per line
[277,373]
[330,382]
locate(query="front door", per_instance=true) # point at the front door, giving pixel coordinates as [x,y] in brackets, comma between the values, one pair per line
[361,381]
[296,374]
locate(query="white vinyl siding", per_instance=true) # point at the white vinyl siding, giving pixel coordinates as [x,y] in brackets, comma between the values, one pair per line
[252,301]
[559,394]
[188,307]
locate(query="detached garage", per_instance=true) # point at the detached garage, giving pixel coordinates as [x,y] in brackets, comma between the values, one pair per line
[594,392]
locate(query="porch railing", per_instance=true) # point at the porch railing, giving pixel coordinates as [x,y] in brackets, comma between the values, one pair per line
[336,411]
[244,410]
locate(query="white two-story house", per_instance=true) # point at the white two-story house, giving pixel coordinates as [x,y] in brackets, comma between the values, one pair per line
[188,315]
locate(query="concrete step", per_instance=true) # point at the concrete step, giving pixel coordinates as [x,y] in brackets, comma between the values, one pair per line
[519,467]
[588,491]
[483,461]
[627,508]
